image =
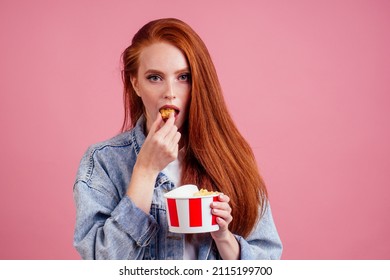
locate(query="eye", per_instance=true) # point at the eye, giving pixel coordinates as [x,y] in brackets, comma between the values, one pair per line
[185,77]
[154,78]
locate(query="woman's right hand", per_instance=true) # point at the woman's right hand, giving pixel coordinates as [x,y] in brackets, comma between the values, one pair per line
[161,145]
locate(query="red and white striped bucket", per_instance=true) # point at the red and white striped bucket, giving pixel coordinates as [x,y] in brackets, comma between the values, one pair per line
[188,213]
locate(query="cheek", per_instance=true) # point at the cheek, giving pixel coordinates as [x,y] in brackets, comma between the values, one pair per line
[185,93]
[148,95]
[150,105]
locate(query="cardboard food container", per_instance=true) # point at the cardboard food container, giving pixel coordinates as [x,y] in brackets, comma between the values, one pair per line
[188,213]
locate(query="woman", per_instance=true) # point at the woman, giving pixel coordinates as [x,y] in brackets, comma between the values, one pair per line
[121,213]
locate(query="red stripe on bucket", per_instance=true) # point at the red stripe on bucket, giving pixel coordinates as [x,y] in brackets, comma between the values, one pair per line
[213,217]
[173,212]
[195,212]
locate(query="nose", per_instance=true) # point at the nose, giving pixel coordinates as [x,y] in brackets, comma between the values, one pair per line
[170,92]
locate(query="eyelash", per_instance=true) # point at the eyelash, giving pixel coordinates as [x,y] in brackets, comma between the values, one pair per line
[182,77]
[186,75]
[153,78]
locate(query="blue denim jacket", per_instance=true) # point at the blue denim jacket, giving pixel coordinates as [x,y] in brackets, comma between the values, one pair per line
[110,226]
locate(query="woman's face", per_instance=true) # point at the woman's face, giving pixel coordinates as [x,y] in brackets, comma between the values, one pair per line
[163,80]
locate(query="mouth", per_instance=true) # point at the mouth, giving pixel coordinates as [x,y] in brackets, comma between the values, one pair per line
[166,110]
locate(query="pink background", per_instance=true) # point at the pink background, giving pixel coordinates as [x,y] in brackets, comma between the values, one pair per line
[307,83]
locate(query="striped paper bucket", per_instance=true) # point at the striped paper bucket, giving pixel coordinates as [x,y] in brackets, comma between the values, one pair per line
[188,213]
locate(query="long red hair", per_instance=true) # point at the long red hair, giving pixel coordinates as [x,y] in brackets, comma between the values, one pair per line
[217,157]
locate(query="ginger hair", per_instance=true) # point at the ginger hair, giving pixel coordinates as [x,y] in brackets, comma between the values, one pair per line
[217,157]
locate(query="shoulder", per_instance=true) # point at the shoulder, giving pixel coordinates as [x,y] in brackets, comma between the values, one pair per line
[124,139]
[100,156]
[112,158]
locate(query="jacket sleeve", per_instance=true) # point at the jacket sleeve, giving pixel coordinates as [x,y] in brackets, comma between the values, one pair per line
[264,242]
[108,227]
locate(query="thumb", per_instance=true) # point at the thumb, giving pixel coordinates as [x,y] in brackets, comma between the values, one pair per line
[155,125]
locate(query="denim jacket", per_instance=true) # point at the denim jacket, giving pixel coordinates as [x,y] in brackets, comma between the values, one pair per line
[110,226]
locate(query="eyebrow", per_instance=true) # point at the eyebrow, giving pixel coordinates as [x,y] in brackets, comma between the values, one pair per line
[154,71]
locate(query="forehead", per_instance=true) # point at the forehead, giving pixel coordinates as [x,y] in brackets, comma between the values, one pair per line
[162,56]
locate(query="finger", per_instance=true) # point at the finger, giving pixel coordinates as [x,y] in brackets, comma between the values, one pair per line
[172,138]
[224,206]
[223,198]
[166,127]
[223,225]
[223,214]
[155,125]
[177,138]
[171,133]
[174,143]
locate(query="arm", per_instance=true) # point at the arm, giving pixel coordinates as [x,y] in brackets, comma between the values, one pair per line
[104,229]
[227,244]
[109,227]
[160,148]
[262,243]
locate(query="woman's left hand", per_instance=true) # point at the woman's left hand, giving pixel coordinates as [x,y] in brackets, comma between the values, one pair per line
[222,210]
[227,244]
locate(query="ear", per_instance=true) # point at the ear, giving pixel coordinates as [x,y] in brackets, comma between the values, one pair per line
[134,83]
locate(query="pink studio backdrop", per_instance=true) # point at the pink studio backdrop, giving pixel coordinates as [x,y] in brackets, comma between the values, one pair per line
[307,83]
